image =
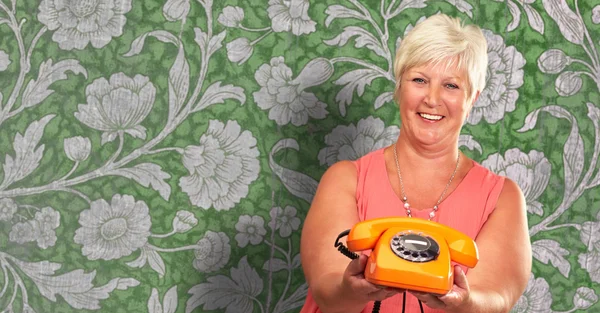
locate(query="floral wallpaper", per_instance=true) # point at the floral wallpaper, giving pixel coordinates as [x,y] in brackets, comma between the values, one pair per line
[160,156]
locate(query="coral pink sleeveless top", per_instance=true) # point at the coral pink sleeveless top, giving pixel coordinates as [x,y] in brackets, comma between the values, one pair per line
[465,209]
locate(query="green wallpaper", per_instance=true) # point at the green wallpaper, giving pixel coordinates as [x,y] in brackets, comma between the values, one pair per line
[160,156]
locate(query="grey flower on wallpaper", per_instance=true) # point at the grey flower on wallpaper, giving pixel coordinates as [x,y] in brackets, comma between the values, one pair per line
[530,171]
[222,167]
[8,208]
[284,220]
[354,141]
[40,229]
[77,148]
[113,230]
[4,60]
[47,220]
[596,14]
[184,221]
[250,230]
[231,16]
[553,61]
[212,253]
[291,16]
[117,105]
[23,232]
[239,50]
[77,23]
[176,10]
[535,299]
[284,96]
[504,77]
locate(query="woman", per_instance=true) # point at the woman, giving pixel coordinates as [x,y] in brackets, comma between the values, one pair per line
[440,71]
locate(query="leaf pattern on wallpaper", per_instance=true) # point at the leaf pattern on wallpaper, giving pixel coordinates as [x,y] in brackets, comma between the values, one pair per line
[352,81]
[28,152]
[570,24]
[573,157]
[533,17]
[295,300]
[179,83]
[216,93]
[138,44]
[300,185]
[154,260]
[363,39]
[546,250]
[37,89]
[235,293]
[594,115]
[169,304]
[147,175]
[74,287]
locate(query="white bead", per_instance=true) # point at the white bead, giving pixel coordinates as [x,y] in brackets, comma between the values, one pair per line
[435,207]
[406,205]
[432,214]
[408,211]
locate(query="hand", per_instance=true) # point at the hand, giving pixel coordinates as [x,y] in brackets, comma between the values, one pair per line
[453,299]
[355,283]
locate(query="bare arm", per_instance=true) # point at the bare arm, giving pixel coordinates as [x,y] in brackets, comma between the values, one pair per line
[501,276]
[337,285]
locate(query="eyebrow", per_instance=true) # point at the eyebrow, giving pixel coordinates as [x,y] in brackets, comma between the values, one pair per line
[452,77]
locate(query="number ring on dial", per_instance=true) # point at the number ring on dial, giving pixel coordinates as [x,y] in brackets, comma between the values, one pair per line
[414,247]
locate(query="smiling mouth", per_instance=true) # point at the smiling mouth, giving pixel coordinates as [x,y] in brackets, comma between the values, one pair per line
[431,117]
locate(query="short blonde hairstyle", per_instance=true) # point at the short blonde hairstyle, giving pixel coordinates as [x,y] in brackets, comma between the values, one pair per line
[442,39]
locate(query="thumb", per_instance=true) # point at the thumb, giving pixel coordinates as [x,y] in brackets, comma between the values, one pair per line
[460,279]
[357,266]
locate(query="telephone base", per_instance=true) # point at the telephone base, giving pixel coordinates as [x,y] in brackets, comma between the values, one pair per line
[393,284]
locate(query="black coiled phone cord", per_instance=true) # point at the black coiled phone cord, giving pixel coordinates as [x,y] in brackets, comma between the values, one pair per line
[353,255]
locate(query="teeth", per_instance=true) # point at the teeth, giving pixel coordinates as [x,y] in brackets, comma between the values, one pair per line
[431,117]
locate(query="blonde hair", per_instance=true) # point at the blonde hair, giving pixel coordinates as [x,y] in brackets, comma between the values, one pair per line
[442,39]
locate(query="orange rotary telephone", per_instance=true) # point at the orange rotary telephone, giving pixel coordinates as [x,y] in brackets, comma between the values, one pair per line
[412,253]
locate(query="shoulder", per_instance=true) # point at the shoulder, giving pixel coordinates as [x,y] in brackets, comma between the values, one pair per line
[511,197]
[342,173]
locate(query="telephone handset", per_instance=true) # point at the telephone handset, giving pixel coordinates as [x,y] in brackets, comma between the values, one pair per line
[412,253]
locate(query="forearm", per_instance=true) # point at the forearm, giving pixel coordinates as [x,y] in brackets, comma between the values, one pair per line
[331,297]
[481,301]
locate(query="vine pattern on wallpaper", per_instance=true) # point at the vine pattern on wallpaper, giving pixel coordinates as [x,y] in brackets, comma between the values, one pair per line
[224,162]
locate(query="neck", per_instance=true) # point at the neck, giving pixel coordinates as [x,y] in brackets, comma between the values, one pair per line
[415,154]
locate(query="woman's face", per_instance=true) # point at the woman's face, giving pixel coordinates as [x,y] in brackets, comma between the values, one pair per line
[433,104]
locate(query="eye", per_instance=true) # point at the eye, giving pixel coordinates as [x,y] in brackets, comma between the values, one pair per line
[452,86]
[419,80]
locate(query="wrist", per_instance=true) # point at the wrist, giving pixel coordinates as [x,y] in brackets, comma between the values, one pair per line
[333,296]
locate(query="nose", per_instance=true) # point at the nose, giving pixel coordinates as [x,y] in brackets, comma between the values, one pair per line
[432,98]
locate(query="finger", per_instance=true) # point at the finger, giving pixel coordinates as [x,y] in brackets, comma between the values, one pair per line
[460,279]
[357,266]
[429,300]
[381,295]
